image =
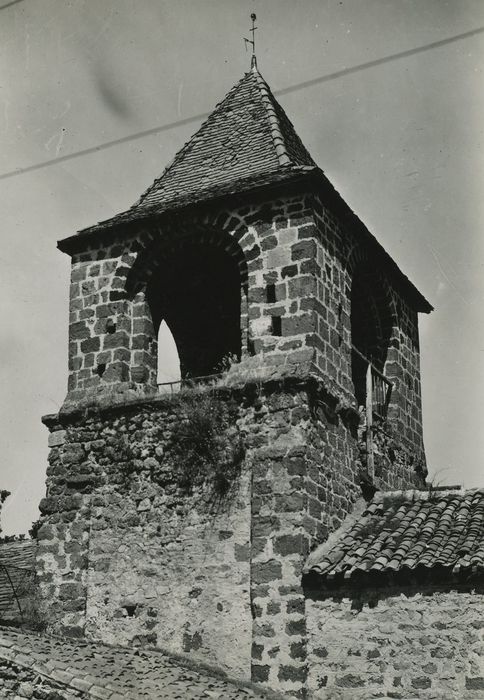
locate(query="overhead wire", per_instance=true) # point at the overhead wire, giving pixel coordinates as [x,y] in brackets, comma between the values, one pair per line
[198,117]
[9,4]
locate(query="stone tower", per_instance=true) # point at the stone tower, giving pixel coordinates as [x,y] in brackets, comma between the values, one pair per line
[253,260]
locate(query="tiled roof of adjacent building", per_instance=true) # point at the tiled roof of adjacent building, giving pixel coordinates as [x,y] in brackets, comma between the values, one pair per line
[87,669]
[406,532]
[246,140]
[17,564]
[19,553]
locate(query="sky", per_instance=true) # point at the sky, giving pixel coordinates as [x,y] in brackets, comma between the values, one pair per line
[401,140]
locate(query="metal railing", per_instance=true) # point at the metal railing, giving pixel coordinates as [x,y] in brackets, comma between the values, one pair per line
[15,585]
[378,388]
[187,383]
[378,394]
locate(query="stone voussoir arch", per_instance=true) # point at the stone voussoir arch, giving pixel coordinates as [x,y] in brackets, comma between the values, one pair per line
[166,240]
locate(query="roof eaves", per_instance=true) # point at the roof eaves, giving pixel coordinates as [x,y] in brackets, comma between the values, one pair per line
[138,215]
[337,563]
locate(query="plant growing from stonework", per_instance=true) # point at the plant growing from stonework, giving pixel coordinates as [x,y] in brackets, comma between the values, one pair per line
[3,496]
[124,458]
[28,599]
[206,446]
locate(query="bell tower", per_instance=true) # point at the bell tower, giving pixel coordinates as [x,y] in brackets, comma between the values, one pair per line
[266,277]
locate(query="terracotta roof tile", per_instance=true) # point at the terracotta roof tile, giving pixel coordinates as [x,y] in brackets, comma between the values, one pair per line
[403,531]
[17,563]
[20,553]
[102,671]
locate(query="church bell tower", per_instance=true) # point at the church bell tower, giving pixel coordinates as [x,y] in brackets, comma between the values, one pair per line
[297,336]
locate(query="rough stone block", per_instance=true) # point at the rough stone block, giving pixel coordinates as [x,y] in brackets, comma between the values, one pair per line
[264,572]
[78,331]
[303,249]
[57,438]
[278,257]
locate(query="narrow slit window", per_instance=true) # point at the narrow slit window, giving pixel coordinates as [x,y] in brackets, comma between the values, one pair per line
[276,325]
[271,293]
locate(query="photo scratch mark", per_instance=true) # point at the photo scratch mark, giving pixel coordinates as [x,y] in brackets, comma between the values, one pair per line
[6,107]
[60,140]
[27,51]
[180,91]
[67,108]
[443,272]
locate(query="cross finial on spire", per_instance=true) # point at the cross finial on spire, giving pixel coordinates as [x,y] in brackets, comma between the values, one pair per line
[253,62]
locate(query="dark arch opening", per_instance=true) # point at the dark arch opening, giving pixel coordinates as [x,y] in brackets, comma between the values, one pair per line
[196,289]
[371,327]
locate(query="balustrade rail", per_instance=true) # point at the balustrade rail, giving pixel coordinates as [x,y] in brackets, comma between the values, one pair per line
[378,388]
[378,393]
[187,383]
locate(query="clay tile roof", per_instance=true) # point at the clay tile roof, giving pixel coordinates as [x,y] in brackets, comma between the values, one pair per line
[405,531]
[17,563]
[52,662]
[20,554]
[247,139]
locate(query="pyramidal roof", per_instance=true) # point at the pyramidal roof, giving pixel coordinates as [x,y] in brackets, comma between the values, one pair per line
[247,135]
[246,141]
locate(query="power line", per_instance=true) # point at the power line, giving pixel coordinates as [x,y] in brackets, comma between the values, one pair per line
[284,91]
[9,4]
[380,61]
[102,146]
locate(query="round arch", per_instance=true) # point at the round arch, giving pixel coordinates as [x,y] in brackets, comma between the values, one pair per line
[197,284]
[372,321]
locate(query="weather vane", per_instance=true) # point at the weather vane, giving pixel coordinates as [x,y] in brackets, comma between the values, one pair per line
[252,41]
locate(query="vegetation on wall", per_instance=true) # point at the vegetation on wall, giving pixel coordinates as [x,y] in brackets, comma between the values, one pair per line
[205,445]
[3,496]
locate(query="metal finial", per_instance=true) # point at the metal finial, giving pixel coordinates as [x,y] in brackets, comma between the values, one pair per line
[253,62]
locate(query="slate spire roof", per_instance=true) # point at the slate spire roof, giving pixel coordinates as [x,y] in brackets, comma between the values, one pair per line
[247,141]
[403,532]
[246,144]
[247,135]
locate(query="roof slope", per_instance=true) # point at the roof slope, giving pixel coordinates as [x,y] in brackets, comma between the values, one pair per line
[246,143]
[247,134]
[100,671]
[19,554]
[403,531]
[246,139]
[17,564]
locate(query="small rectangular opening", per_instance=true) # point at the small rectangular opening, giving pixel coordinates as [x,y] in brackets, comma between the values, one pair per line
[276,325]
[271,293]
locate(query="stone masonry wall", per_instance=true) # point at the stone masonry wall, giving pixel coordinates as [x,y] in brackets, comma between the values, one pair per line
[127,555]
[408,643]
[339,253]
[142,560]
[112,340]
[296,260]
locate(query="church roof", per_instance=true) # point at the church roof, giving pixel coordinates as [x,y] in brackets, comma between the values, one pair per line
[17,562]
[19,554]
[403,533]
[246,141]
[81,668]
[246,144]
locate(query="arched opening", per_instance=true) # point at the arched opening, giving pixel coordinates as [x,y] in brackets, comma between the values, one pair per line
[196,290]
[168,369]
[371,327]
